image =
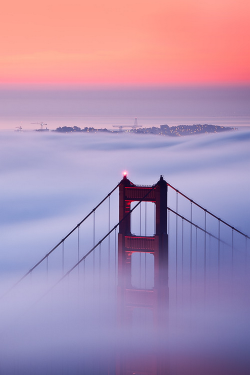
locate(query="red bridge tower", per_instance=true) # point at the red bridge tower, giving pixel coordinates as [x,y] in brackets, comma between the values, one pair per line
[129,297]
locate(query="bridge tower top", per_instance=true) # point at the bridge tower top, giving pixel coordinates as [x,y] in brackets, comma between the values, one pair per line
[129,192]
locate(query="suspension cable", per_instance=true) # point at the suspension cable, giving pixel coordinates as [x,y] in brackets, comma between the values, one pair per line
[210,213]
[97,244]
[195,225]
[62,241]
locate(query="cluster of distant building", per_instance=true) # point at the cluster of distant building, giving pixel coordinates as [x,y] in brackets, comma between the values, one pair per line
[76,129]
[166,130]
[183,129]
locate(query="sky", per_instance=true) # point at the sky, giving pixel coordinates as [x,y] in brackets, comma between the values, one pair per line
[118,43]
[50,182]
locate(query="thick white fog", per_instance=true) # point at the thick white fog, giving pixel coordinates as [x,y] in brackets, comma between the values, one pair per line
[49,182]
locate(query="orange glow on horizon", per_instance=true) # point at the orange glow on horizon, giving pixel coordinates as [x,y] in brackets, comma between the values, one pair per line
[133,43]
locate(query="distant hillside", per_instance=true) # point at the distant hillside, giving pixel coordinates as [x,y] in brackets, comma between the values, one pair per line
[173,131]
[181,130]
[76,129]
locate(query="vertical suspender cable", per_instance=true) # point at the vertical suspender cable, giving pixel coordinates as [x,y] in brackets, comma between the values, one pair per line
[78,243]
[140,219]
[191,250]
[100,265]
[168,222]
[140,271]
[191,236]
[196,253]
[115,255]
[140,252]
[232,253]
[78,248]
[109,243]
[176,254]
[84,272]
[154,219]
[145,236]
[94,244]
[94,228]
[246,257]
[205,254]
[62,257]
[182,255]
[218,254]
[78,258]
[47,268]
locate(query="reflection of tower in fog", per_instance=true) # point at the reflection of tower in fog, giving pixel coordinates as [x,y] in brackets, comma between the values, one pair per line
[142,304]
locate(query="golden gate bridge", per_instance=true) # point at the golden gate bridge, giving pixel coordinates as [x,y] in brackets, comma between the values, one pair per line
[137,271]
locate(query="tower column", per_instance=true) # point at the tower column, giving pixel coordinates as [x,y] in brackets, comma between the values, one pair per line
[129,297]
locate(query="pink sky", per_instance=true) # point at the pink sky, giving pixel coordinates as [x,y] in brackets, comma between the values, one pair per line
[139,42]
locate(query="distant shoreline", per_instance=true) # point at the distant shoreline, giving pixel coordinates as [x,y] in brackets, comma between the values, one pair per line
[164,130]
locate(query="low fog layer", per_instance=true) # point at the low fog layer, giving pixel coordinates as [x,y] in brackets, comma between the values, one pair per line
[49,182]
